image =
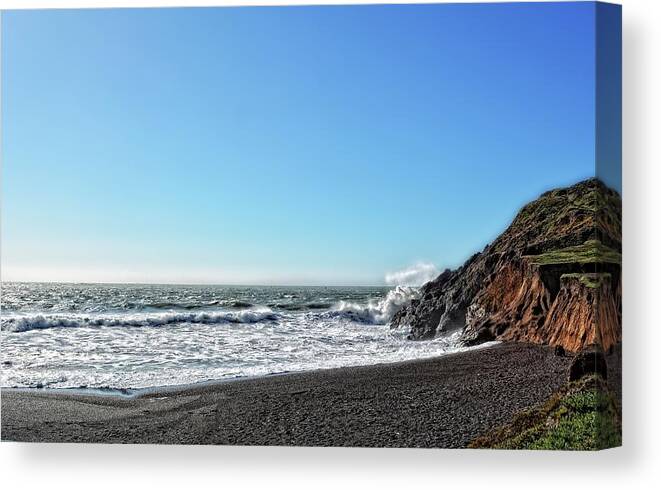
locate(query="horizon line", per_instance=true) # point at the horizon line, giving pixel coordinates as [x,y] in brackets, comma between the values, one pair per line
[137,283]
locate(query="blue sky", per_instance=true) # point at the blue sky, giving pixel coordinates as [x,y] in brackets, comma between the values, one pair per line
[304,145]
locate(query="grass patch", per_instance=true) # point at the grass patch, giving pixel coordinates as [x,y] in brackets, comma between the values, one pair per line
[592,251]
[581,416]
[589,279]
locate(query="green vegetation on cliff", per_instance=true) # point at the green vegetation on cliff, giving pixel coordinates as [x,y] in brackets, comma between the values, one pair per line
[581,416]
[592,251]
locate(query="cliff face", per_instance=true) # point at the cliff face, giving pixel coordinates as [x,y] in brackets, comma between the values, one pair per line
[553,277]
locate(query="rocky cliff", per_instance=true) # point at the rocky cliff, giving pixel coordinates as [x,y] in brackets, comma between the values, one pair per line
[553,277]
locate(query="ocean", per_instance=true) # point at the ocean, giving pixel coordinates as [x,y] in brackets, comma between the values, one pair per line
[112,336]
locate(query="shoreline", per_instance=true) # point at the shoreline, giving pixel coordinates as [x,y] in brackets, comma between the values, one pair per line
[445,401]
[175,388]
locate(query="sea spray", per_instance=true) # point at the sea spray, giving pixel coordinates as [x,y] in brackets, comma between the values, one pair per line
[414,276]
[378,312]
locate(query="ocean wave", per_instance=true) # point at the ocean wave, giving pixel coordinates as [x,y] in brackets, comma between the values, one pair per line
[300,306]
[166,305]
[39,321]
[318,306]
[378,312]
[241,304]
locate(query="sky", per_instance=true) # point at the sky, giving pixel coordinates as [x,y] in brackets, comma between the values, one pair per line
[299,145]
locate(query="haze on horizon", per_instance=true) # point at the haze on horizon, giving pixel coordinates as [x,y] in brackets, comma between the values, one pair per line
[347,145]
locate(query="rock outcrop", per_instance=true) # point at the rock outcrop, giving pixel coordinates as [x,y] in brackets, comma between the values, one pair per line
[553,277]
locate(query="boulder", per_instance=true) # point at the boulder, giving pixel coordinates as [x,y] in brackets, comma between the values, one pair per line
[588,362]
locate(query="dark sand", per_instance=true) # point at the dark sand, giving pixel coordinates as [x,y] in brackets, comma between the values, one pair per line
[441,402]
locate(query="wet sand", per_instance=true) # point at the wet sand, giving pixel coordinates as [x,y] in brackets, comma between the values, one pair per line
[441,402]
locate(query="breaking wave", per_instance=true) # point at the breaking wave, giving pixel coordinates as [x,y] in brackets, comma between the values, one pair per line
[40,322]
[378,312]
